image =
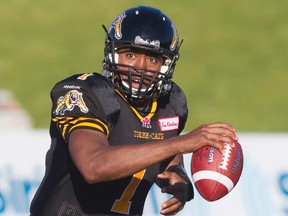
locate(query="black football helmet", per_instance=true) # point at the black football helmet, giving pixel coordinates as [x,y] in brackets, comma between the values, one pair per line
[147,28]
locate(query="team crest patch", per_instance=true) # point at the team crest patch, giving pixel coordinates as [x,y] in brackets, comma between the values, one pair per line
[69,101]
[168,124]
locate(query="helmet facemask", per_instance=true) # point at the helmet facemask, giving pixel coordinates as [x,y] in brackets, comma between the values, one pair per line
[139,82]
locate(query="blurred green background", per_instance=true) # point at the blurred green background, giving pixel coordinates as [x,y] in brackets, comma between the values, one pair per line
[233,64]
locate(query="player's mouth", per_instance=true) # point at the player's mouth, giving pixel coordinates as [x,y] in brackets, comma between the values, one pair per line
[143,84]
[136,84]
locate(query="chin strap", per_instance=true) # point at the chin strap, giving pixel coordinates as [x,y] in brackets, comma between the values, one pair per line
[179,169]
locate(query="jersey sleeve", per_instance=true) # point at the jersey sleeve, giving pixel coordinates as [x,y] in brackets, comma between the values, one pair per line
[84,101]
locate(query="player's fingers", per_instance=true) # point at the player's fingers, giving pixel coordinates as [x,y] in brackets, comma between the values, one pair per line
[218,141]
[222,124]
[221,130]
[223,138]
[171,206]
[218,145]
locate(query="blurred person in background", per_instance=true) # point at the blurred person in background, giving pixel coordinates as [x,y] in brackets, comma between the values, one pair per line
[117,133]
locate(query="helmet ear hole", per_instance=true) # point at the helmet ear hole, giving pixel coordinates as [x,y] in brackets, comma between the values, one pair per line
[146,28]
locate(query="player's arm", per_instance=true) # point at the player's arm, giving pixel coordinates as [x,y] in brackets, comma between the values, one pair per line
[98,161]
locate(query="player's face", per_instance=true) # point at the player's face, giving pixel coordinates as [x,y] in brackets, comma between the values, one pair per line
[138,59]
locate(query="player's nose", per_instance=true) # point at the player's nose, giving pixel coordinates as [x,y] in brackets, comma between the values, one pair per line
[141,61]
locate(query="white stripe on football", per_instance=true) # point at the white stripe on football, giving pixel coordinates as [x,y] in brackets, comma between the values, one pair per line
[216,176]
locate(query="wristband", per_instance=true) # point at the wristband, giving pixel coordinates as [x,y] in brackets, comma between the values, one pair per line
[179,170]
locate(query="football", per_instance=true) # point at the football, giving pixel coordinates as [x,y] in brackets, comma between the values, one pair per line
[215,174]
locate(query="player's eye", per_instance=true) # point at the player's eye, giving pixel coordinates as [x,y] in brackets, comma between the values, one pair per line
[153,60]
[130,55]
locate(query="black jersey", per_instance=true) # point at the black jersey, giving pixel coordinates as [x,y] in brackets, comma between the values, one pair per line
[90,101]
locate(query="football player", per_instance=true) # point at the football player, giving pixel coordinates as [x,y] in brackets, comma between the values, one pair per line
[117,133]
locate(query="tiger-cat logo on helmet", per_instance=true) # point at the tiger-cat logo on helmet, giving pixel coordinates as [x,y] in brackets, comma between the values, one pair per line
[175,39]
[117,24]
[69,101]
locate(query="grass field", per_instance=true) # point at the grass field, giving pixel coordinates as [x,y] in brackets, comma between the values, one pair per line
[233,64]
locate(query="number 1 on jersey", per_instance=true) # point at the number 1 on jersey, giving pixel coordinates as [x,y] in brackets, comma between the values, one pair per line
[123,204]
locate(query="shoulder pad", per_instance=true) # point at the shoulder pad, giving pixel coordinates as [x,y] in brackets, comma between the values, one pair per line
[176,99]
[90,95]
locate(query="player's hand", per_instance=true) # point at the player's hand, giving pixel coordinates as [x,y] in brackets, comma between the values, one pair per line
[215,135]
[177,187]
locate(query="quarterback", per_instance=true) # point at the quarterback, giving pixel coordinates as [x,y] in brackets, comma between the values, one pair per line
[116,133]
